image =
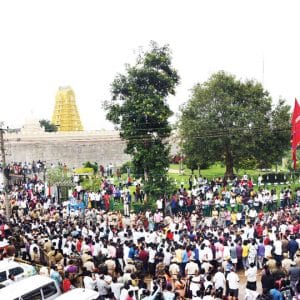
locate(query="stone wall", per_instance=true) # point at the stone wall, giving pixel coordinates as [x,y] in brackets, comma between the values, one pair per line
[70,148]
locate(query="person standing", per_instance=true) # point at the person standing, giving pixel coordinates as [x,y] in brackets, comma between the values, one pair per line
[278,249]
[116,287]
[159,204]
[190,182]
[102,287]
[89,280]
[251,275]
[259,180]
[233,254]
[267,280]
[127,200]
[294,274]
[66,283]
[191,268]
[157,219]
[233,284]
[54,274]
[144,256]
[260,253]
[219,281]
[174,270]
[292,247]
[245,252]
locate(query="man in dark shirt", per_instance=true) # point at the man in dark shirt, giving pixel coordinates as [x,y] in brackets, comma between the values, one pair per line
[292,247]
[144,256]
[294,274]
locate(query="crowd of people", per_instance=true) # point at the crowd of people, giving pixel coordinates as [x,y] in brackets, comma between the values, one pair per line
[23,168]
[203,242]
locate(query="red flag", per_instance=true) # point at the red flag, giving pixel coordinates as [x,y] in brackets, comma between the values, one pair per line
[295,131]
[294,157]
[295,114]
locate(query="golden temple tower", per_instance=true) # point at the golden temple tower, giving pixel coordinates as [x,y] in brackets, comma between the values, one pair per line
[65,114]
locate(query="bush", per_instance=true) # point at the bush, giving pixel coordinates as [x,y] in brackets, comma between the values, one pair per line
[141,207]
[84,171]
[92,166]
[91,184]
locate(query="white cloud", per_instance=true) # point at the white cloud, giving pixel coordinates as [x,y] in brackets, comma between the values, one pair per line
[45,44]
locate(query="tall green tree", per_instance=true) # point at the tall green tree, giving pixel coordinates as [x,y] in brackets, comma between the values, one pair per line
[233,122]
[140,111]
[49,127]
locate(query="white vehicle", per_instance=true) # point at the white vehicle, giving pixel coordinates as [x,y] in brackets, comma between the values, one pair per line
[32,288]
[20,271]
[82,294]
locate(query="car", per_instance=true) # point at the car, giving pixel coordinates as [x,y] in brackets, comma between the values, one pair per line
[82,294]
[35,287]
[19,270]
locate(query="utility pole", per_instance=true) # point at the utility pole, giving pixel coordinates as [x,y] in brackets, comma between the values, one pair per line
[5,179]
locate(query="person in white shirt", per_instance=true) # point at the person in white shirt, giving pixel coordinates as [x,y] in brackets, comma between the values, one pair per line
[168,294]
[233,284]
[283,227]
[191,268]
[116,288]
[124,292]
[97,248]
[278,249]
[268,251]
[159,204]
[251,275]
[219,280]
[259,180]
[151,260]
[89,281]
[167,257]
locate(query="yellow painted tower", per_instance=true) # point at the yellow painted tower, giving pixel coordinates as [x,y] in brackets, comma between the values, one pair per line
[65,114]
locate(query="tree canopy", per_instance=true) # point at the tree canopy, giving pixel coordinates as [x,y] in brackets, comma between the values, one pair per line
[233,122]
[49,127]
[140,111]
[59,177]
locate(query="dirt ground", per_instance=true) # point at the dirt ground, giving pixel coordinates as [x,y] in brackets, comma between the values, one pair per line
[242,289]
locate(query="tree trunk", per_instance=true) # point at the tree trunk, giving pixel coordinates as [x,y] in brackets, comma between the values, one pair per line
[146,179]
[229,164]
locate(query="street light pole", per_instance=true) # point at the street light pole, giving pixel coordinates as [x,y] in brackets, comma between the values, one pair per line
[5,179]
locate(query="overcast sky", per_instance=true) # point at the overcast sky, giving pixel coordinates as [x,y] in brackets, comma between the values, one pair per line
[84,44]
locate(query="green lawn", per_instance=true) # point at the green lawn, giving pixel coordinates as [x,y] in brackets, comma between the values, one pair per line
[213,172]
[218,171]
